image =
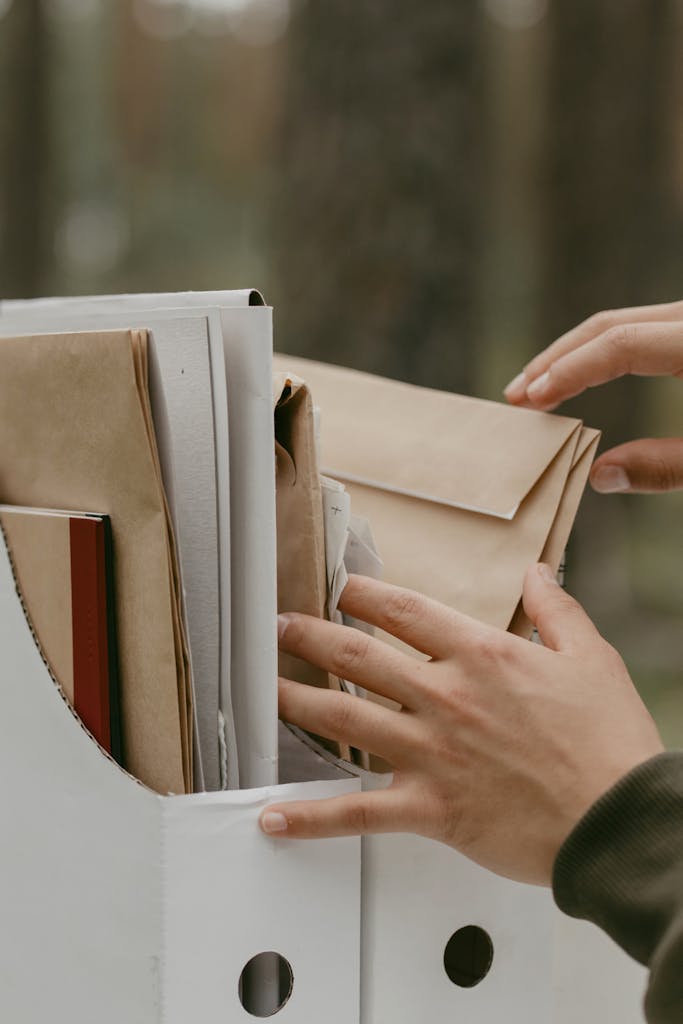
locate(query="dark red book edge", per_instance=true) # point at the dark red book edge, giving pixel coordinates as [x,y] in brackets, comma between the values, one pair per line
[96,691]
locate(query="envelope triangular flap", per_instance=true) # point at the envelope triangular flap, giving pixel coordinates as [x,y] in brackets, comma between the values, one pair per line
[482,456]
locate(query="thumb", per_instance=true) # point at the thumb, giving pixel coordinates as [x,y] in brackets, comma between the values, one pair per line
[384,810]
[646,466]
[561,622]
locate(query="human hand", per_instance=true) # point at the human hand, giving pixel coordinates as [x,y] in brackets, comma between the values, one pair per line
[645,341]
[500,745]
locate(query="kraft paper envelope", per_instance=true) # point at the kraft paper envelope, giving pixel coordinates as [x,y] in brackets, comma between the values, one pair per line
[462,494]
[139,341]
[301,585]
[77,432]
[301,566]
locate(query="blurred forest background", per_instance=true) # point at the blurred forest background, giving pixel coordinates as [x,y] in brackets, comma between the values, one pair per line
[432,191]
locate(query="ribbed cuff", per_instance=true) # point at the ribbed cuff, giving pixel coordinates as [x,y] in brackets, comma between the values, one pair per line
[622,865]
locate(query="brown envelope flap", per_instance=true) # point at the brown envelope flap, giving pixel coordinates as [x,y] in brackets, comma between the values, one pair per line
[464,452]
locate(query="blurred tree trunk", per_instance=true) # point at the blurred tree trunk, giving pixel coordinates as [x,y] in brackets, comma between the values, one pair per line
[378,197]
[25,242]
[515,69]
[609,226]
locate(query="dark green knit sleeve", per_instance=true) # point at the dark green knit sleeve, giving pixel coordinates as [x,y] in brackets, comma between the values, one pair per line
[622,869]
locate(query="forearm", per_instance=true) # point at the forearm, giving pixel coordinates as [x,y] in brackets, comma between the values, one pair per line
[622,869]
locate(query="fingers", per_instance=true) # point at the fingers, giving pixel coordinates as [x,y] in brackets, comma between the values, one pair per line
[350,654]
[646,466]
[387,810]
[424,624]
[587,331]
[561,622]
[353,720]
[515,392]
[643,349]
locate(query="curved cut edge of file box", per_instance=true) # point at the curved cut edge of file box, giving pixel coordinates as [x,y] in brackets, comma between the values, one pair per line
[78,722]
[122,905]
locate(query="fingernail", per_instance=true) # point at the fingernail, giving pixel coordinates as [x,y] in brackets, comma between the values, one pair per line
[537,387]
[273,821]
[546,573]
[282,623]
[610,480]
[516,387]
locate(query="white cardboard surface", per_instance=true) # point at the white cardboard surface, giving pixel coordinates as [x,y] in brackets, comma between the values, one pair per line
[234,297]
[416,894]
[298,899]
[79,840]
[594,980]
[247,339]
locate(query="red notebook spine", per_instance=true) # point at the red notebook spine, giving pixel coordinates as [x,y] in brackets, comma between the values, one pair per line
[89,619]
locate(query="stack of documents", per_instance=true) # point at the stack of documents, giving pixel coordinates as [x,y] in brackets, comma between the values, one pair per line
[211,561]
[164,414]
[77,433]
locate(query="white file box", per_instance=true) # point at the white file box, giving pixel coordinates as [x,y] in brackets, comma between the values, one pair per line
[417,894]
[545,968]
[119,905]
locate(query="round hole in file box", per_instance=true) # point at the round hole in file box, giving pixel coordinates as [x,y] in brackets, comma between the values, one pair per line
[266,984]
[468,956]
